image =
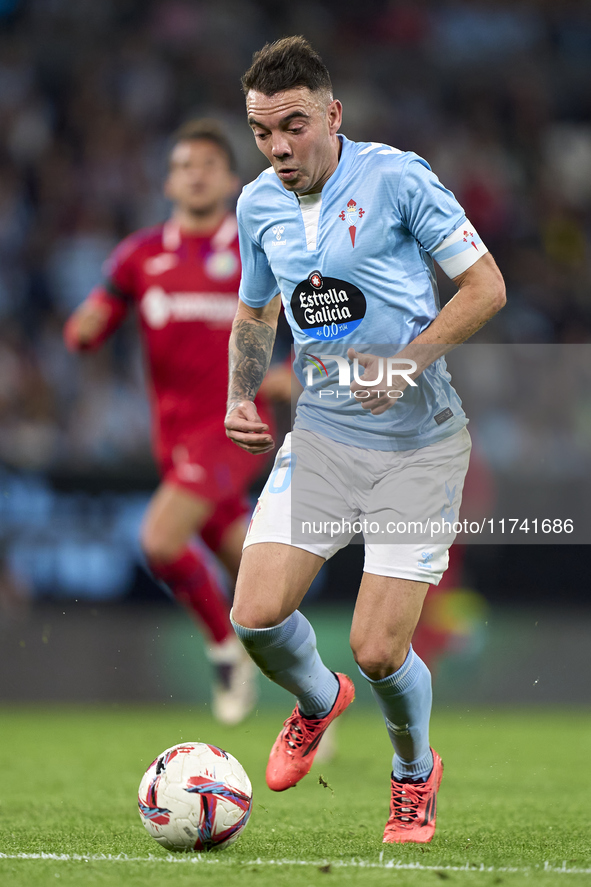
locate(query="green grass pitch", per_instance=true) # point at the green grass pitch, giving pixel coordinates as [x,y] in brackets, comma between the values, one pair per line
[514,805]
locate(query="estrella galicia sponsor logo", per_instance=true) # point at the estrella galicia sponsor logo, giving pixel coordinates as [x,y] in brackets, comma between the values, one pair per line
[326,307]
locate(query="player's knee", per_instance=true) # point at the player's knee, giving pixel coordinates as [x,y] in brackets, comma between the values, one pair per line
[254,614]
[372,665]
[158,548]
[377,659]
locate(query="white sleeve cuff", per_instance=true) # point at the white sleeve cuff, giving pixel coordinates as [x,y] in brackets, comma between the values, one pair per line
[460,250]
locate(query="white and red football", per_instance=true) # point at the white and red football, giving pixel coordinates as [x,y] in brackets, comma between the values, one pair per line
[195,797]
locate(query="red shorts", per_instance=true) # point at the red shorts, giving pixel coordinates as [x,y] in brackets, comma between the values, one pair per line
[206,463]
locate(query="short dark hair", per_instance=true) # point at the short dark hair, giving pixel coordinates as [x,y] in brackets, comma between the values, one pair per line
[209,130]
[286,64]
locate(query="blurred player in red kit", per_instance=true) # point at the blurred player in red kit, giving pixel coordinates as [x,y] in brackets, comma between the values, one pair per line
[182,278]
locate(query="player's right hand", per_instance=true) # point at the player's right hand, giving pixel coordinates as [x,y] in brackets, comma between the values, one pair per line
[245,428]
[83,329]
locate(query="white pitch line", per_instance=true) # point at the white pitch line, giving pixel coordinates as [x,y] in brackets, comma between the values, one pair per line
[339,863]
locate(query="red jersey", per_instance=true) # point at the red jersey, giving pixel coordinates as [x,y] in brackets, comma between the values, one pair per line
[185,287]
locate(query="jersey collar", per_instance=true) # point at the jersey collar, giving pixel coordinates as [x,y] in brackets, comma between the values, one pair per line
[344,164]
[221,239]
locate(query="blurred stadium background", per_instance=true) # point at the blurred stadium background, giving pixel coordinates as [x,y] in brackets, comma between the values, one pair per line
[497,97]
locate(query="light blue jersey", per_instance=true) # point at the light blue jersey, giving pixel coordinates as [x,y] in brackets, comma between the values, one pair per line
[354,266]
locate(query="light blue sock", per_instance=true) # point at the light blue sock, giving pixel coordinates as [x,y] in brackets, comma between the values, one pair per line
[287,655]
[405,700]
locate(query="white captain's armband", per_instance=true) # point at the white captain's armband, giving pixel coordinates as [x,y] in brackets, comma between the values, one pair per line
[459,251]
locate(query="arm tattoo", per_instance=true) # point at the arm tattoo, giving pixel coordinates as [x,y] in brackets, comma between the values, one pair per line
[251,344]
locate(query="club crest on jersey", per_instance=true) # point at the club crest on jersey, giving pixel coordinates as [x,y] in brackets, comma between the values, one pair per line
[221,264]
[352,214]
[469,238]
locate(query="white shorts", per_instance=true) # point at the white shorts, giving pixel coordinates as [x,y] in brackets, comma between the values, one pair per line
[321,494]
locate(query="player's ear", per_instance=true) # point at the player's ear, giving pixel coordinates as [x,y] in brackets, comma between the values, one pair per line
[335,116]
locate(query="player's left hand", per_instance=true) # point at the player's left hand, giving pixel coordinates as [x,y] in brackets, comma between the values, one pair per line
[379,399]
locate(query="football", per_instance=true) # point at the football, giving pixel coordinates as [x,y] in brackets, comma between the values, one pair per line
[195,797]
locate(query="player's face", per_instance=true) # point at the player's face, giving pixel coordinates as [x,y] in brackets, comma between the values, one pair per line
[200,180]
[297,132]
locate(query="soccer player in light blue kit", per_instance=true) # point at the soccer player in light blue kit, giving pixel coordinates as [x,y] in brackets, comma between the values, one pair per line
[344,234]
